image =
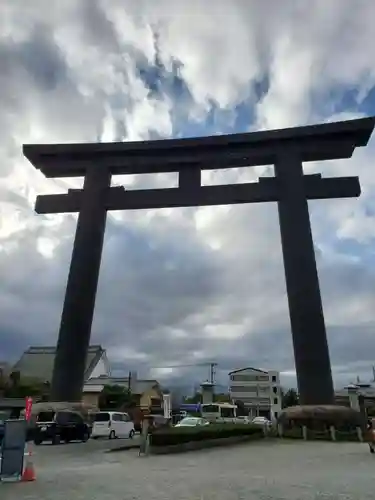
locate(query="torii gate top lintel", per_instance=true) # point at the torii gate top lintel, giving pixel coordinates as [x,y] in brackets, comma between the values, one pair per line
[325,141]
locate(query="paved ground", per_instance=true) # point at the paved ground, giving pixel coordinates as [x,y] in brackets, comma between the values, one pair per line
[262,471]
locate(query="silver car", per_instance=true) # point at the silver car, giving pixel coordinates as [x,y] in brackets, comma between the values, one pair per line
[263,421]
[192,422]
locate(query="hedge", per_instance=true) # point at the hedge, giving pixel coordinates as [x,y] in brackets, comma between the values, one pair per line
[179,435]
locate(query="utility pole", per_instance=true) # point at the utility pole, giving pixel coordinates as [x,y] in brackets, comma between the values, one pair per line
[212,373]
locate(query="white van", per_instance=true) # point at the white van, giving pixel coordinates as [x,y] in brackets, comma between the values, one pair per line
[112,424]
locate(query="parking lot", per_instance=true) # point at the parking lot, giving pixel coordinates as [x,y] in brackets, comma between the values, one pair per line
[261,471]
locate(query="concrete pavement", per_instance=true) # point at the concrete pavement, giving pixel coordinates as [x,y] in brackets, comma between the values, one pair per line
[271,470]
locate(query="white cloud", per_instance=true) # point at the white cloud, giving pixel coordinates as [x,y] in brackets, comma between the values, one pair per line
[178,282]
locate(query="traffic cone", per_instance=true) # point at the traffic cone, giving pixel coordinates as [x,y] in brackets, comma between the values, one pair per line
[29,471]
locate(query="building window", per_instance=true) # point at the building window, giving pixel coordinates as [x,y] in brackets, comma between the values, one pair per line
[274,390]
[263,390]
[244,388]
[243,378]
[276,414]
[275,401]
[273,378]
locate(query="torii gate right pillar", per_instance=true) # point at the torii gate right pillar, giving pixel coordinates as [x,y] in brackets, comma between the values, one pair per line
[312,360]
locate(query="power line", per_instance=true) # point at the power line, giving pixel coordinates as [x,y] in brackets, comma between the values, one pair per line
[211,366]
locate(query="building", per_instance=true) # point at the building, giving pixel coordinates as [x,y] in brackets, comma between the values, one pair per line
[37,363]
[259,391]
[364,391]
[5,369]
[146,393]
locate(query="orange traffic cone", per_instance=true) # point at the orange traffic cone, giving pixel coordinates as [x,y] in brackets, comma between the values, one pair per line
[29,471]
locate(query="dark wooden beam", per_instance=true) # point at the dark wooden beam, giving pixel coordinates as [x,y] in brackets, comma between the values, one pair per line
[79,303]
[189,180]
[241,156]
[311,354]
[312,143]
[265,190]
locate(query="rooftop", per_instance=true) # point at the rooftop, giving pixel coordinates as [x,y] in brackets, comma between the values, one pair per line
[37,362]
[139,386]
[247,368]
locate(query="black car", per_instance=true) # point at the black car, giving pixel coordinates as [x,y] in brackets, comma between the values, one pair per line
[3,416]
[57,426]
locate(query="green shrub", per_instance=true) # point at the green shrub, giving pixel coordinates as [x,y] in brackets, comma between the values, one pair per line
[179,435]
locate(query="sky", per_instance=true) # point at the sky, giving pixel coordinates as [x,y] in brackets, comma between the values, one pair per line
[179,286]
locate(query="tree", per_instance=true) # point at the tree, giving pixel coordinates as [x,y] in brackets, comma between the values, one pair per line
[16,386]
[242,411]
[289,398]
[197,398]
[113,397]
[221,398]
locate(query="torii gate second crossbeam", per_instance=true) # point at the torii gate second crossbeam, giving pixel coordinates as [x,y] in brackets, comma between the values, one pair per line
[286,149]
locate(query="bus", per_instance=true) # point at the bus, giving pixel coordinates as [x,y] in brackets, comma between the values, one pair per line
[219,412]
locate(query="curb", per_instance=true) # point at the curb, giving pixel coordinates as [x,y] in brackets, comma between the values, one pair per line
[123,448]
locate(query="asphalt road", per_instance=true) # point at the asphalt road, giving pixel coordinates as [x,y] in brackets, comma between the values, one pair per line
[259,470]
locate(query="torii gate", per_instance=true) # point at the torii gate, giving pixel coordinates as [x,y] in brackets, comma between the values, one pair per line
[286,149]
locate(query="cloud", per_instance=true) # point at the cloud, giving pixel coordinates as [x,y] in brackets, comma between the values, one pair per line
[184,284]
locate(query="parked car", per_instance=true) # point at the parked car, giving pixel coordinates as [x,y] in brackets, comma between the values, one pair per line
[177,416]
[242,420]
[7,415]
[112,424]
[262,421]
[159,421]
[3,416]
[192,422]
[136,416]
[59,426]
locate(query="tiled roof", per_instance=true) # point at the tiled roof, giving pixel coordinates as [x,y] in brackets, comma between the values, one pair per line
[140,386]
[364,390]
[37,362]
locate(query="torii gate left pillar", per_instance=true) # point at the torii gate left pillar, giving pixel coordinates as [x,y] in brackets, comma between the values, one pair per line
[79,304]
[286,149]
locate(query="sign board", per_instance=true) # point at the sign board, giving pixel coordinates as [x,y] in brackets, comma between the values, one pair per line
[28,408]
[167,405]
[13,450]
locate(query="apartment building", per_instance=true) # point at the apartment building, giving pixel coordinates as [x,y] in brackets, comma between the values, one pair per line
[259,390]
